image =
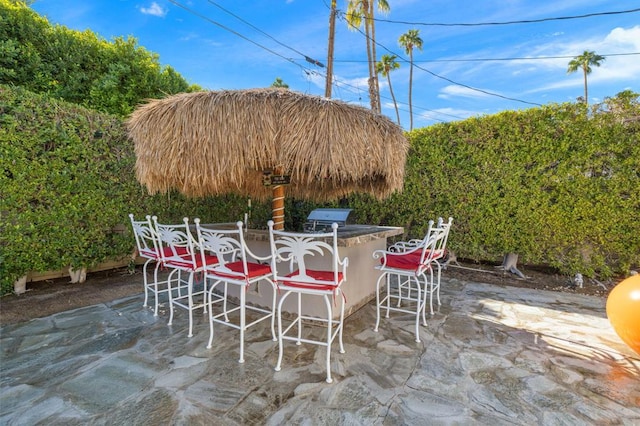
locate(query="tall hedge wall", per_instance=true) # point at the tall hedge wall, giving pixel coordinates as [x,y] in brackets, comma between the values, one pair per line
[67,180]
[80,67]
[556,185]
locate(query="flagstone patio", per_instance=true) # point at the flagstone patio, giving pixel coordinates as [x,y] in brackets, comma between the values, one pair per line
[490,355]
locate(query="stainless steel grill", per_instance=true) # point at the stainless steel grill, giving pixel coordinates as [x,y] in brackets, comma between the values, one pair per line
[320,220]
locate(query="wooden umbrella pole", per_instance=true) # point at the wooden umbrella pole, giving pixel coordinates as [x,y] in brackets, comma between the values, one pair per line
[277,205]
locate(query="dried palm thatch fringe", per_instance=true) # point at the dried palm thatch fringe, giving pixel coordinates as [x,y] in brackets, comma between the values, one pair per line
[217,142]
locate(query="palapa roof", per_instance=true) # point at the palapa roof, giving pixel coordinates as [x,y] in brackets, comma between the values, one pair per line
[217,142]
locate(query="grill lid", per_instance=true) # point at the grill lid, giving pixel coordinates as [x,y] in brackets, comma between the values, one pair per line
[341,216]
[320,220]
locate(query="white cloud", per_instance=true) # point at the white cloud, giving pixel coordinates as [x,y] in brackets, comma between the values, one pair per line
[155,10]
[624,38]
[351,87]
[189,36]
[452,91]
[613,68]
[386,105]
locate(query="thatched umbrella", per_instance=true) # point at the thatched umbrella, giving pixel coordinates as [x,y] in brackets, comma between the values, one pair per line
[217,142]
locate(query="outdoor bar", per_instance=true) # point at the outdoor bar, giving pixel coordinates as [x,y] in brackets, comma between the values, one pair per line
[357,242]
[272,143]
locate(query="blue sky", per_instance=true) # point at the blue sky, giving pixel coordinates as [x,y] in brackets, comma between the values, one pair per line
[231,44]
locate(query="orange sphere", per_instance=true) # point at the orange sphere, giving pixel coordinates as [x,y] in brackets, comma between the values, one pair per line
[623,310]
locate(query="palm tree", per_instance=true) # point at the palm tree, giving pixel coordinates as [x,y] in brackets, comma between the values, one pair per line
[332,36]
[385,66]
[410,40]
[279,83]
[584,62]
[357,12]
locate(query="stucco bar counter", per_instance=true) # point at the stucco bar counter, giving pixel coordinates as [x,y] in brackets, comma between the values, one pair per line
[357,242]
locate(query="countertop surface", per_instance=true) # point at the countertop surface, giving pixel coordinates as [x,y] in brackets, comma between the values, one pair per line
[348,236]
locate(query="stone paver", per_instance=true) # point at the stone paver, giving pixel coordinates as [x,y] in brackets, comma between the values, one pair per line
[490,355]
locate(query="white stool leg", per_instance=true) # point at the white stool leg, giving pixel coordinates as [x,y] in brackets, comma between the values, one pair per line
[190,304]
[145,280]
[299,319]
[224,303]
[419,308]
[273,310]
[329,339]
[210,302]
[280,348]
[243,321]
[155,287]
[378,301]
[438,282]
[171,295]
[341,325]
[388,298]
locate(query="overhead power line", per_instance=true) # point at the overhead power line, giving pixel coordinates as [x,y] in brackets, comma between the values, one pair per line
[529,58]
[466,86]
[522,21]
[344,85]
[307,58]
[206,18]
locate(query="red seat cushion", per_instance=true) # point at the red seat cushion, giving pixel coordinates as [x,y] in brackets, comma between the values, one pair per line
[327,276]
[408,261]
[166,251]
[209,260]
[180,251]
[185,262]
[237,268]
[149,254]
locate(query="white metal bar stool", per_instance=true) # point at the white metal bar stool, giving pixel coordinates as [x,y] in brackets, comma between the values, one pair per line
[414,271]
[440,252]
[238,266]
[180,253]
[147,247]
[294,250]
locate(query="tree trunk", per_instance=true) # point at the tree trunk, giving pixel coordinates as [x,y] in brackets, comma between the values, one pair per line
[372,90]
[509,264]
[395,104]
[373,57]
[586,91]
[410,87]
[332,36]
[20,285]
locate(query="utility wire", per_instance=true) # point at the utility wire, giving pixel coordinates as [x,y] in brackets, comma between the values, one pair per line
[356,91]
[206,18]
[475,88]
[466,86]
[317,63]
[307,58]
[493,59]
[523,21]
[343,84]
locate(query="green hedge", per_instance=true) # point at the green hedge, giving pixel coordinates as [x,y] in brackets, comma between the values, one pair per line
[67,180]
[80,67]
[60,170]
[557,186]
